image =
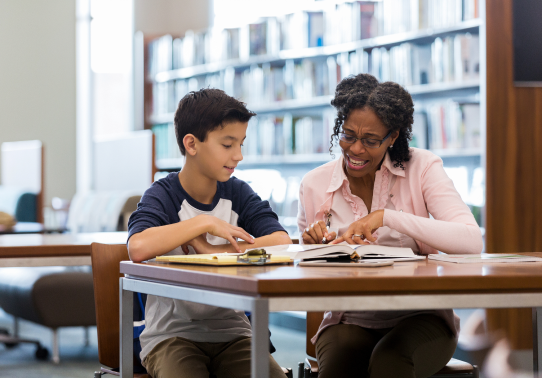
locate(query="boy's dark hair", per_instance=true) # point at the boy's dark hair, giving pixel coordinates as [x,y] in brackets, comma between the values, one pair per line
[203,111]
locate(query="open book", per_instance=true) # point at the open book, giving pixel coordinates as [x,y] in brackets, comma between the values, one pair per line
[484,258]
[342,250]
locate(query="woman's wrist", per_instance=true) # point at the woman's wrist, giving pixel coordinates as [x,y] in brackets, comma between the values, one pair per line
[383,217]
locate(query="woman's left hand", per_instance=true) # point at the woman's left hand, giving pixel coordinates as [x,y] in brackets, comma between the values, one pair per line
[362,229]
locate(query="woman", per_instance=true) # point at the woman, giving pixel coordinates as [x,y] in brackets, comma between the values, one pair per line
[381,191]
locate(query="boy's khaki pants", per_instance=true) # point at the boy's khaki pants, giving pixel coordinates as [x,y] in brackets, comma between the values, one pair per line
[180,358]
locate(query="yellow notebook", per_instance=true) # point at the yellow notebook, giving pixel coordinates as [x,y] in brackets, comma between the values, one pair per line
[219,259]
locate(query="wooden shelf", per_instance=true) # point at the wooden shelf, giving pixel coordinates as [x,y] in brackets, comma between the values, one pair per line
[418,36]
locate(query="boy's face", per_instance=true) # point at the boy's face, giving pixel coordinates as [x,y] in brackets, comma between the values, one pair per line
[221,152]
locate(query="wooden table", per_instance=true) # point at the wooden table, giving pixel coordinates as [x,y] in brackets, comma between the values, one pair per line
[53,249]
[261,289]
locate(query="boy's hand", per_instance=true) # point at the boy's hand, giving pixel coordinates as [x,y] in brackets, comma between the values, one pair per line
[202,246]
[222,229]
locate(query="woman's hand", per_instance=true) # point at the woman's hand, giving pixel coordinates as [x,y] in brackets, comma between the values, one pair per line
[362,229]
[316,232]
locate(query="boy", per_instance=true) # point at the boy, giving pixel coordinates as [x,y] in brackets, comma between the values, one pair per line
[199,210]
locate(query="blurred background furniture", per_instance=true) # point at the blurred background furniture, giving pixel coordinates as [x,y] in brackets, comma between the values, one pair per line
[45,279]
[63,296]
[22,180]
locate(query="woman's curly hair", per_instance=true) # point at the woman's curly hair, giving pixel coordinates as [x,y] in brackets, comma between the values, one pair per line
[391,102]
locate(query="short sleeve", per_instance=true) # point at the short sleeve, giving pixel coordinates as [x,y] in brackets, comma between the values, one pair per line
[256,216]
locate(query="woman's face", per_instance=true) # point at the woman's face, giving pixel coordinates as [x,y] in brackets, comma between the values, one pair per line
[361,160]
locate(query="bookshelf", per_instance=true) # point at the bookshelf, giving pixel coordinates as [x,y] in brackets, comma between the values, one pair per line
[289,81]
[417,91]
[420,36]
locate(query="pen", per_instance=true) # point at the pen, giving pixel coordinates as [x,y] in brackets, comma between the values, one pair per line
[328,224]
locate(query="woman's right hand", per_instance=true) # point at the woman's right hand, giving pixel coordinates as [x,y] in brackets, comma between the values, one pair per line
[316,232]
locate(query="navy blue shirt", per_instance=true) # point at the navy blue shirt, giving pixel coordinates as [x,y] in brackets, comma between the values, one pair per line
[166,202]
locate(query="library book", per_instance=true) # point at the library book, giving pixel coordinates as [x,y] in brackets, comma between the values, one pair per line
[331,252]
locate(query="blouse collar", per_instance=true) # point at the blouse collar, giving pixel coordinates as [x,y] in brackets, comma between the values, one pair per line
[339,177]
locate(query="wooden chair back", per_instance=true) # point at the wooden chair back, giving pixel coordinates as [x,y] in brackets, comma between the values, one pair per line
[106,260]
[313,322]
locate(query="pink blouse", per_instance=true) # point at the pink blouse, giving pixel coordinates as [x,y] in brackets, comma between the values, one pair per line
[408,197]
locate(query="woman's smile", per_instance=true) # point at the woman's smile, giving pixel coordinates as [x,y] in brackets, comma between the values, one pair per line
[356,163]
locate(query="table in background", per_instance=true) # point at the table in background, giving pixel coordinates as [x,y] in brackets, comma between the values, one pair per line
[53,249]
[30,228]
[260,289]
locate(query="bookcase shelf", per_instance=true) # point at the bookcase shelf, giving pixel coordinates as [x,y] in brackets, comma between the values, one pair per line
[418,36]
[452,153]
[172,164]
[317,159]
[434,90]
[296,116]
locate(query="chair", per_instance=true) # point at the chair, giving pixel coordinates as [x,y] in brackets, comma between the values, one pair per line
[106,273]
[105,268]
[50,296]
[309,368]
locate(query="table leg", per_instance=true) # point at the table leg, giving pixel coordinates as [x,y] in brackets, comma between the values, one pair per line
[260,339]
[537,339]
[126,341]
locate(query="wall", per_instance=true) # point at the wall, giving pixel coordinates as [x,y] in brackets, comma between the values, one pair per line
[175,17]
[37,84]
[514,163]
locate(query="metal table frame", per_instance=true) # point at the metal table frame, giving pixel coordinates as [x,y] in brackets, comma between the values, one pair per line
[261,306]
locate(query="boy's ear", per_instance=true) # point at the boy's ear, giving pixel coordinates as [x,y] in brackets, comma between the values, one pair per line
[189,142]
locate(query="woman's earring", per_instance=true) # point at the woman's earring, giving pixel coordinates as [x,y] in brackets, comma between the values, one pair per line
[391,147]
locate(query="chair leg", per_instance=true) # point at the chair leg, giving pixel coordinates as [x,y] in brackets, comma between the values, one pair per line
[87,337]
[15,326]
[300,370]
[56,351]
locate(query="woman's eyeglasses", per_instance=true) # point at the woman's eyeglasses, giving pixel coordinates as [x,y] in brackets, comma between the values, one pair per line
[367,142]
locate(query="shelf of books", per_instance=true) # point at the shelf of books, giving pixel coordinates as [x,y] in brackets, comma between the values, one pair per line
[286,69]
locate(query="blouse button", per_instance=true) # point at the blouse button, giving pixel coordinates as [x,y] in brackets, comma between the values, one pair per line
[391,195]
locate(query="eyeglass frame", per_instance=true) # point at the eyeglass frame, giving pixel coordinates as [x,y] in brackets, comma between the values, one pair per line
[362,139]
